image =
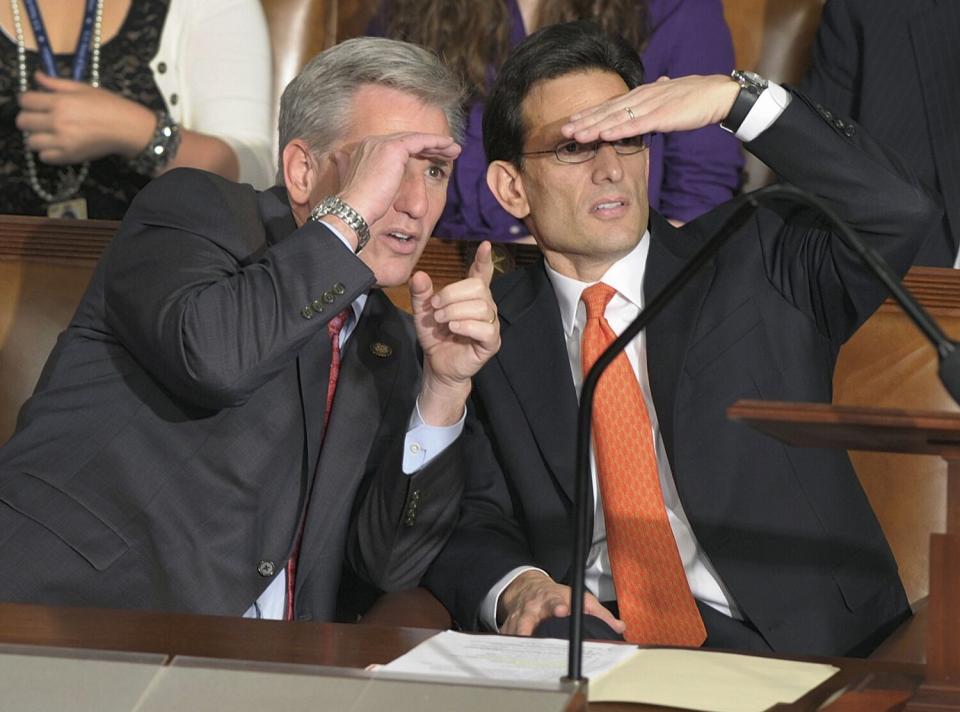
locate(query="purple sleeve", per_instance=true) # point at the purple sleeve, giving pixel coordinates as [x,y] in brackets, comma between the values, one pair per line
[472,212]
[691,171]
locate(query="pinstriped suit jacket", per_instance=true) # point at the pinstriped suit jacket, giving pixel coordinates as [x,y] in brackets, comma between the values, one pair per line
[174,438]
[894,67]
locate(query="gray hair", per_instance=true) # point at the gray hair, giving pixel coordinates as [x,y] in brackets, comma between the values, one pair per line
[315,106]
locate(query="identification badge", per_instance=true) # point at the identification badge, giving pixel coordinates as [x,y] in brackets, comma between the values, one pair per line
[75,209]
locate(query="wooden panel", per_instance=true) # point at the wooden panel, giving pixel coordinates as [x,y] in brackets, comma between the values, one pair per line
[54,240]
[888,363]
[299,29]
[772,38]
[45,266]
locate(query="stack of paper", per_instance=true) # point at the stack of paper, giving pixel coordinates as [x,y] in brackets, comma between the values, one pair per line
[689,679]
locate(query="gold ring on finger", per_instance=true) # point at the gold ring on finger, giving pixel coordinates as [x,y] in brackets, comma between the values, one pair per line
[630,113]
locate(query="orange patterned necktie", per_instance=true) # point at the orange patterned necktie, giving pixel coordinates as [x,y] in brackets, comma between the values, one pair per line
[652,590]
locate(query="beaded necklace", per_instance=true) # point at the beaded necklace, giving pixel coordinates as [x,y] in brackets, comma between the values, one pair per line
[70,181]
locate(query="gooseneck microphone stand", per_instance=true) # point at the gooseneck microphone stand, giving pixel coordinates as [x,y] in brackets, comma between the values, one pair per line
[946,349]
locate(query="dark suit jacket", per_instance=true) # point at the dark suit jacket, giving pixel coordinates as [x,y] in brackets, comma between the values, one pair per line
[174,439]
[789,529]
[894,67]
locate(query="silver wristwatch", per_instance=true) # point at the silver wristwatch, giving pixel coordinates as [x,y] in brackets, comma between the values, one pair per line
[752,85]
[332,205]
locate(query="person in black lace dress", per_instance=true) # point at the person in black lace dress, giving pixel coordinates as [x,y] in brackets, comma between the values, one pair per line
[162,63]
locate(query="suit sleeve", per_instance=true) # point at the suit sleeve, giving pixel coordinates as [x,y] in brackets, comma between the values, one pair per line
[488,541]
[402,521]
[203,304]
[867,186]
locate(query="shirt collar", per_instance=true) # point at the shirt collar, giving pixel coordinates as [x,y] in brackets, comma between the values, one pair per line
[625,275]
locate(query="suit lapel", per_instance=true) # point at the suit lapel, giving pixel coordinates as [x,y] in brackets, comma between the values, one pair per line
[313,367]
[534,359]
[313,361]
[933,31]
[363,391]
[669,334]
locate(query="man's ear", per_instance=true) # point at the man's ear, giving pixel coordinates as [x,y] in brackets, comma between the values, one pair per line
[506,184]
[299,176]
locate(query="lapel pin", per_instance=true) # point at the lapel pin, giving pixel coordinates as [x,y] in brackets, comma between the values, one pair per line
[380,349]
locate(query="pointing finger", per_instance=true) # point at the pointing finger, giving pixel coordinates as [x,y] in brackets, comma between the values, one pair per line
[482,266]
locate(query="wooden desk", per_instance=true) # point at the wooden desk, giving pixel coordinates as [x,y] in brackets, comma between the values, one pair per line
[328,644]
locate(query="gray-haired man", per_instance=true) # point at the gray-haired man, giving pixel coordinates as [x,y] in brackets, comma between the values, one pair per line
[183,450]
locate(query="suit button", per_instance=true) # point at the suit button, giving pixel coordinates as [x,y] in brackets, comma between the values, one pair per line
[266,568]
[827,115]
[327,297]
[849,131]
[317,306]
[307,312]
[339,289]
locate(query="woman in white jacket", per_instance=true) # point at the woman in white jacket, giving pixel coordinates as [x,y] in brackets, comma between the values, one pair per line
[149,86]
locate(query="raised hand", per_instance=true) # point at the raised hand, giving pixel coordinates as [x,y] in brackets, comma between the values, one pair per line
[70,122]
[666,105]
[533,597]
[370,172]
[458,331]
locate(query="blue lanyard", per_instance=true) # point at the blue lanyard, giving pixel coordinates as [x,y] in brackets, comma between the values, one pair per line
[81,55]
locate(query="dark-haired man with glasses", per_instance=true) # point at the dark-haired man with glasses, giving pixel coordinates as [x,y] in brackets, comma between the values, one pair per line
[705,532]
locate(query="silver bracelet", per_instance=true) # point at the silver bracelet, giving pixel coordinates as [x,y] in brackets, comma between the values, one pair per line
[161,149]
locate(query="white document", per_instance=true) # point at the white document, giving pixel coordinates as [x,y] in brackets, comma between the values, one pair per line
[500,657]
[688,679]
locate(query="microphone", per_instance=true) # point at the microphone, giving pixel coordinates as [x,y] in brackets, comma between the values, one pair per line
[947,351]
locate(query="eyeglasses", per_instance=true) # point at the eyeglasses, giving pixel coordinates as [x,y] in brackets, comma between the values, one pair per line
[573,152]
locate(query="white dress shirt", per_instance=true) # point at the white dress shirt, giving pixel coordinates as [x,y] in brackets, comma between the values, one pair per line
[626,276]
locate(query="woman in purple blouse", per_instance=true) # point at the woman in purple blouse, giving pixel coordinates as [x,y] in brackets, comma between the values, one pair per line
[690,172]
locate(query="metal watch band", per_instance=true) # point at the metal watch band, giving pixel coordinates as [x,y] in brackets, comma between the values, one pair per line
[332,205]
[751,87]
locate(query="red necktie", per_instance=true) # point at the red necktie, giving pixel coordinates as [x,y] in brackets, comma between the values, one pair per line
[334,327]
[652,590]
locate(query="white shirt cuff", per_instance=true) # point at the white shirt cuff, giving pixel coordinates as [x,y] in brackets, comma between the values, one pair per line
[425,442]
[488,609]
[767,109]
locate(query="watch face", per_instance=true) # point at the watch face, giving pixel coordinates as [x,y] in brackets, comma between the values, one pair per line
[755,79]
